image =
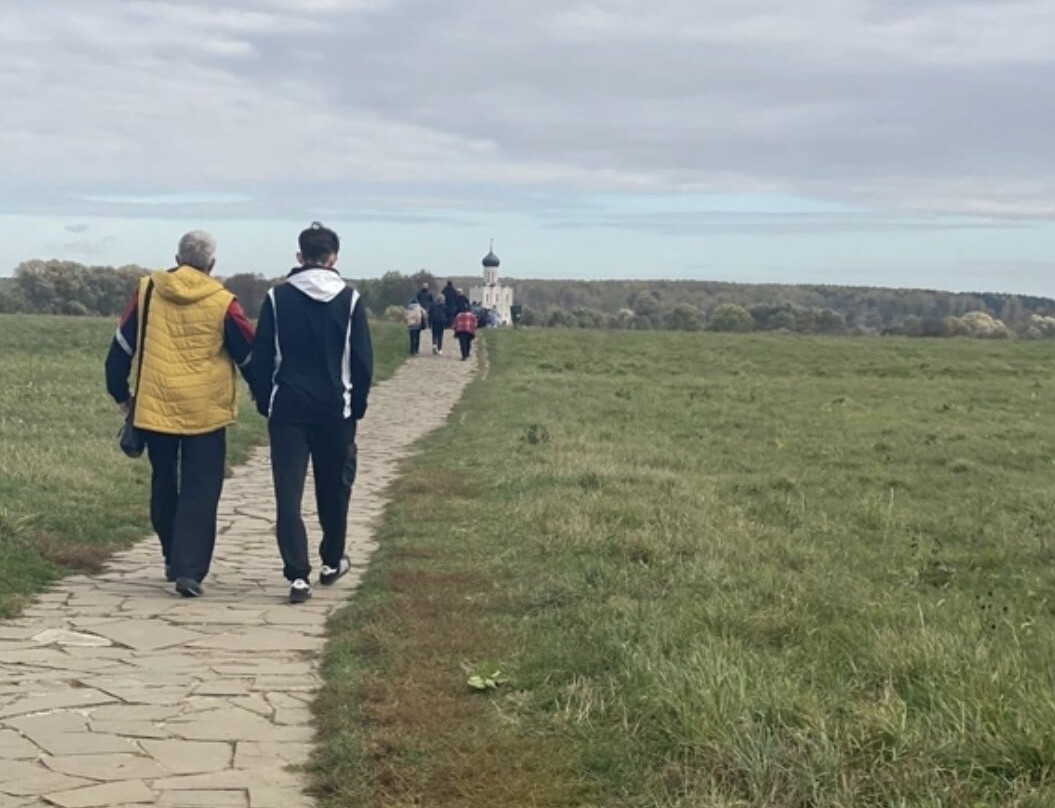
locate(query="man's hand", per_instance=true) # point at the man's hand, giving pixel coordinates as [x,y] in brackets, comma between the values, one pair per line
[125,406]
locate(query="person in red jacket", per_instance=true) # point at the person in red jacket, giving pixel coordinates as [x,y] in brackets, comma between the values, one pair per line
[465,330]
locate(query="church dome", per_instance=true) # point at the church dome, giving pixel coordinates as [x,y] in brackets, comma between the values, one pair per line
[491,260]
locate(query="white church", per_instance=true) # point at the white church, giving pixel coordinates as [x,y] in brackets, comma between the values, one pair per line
[492,295]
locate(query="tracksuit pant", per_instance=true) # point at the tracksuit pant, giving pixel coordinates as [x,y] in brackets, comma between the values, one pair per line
[437,336]
[332,451]
[465,342]
[187,473]
[415,340]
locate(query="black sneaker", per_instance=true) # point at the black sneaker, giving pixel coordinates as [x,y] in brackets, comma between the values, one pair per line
[299,591]
[329,575]
[188,587]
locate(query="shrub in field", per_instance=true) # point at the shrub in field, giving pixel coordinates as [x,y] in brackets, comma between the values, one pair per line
[1040,327]
[731,317]
[954,327]
[683,317]
[981,325]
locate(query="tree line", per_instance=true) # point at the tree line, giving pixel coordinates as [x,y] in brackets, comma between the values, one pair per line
[813,309]
[65,287]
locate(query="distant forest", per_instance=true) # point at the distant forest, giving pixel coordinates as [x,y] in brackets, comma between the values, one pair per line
[63,287]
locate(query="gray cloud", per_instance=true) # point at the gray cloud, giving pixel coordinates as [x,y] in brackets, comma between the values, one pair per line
[936,106]
[712,223]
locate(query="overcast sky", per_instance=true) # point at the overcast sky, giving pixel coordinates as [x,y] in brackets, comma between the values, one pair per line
[885,142]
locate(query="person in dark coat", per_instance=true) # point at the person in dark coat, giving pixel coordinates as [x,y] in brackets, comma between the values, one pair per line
[311,370]
[438,321]
[450,299]
[462,301]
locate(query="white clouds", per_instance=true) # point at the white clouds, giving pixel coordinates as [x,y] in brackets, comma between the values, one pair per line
[933,105]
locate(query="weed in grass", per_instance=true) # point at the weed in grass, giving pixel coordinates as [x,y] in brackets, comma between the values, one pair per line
[536,434]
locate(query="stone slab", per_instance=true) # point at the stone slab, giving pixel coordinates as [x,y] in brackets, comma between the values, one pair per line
[21,778]
[77,697]
[189,757]
[205,799]
[259,639]
[66,733]
[106,767]
[145,635]
[103,796]
[234,724]
[14,747]
[60,636]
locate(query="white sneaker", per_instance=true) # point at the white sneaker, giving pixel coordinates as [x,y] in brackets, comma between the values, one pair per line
[329,575]
[299,591]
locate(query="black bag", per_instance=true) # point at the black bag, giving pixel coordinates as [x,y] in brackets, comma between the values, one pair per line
[131,439]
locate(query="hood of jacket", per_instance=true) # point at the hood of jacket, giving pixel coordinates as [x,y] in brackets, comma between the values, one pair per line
[185,285]
[318,283]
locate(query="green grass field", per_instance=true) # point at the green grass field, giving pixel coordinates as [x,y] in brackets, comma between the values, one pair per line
[68,497]
[714,571]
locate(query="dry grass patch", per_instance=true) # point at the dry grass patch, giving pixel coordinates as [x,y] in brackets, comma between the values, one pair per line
[434,484]
[80,557]
[405,729]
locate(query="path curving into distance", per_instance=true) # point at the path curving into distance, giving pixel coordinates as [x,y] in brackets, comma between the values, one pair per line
[116,692]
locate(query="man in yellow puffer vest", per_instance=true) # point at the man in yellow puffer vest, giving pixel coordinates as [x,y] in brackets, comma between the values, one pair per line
[195,333]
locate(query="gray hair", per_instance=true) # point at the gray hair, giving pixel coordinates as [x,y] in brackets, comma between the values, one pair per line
[197,249]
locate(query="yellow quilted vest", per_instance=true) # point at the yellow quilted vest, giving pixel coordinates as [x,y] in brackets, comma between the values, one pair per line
[187,382]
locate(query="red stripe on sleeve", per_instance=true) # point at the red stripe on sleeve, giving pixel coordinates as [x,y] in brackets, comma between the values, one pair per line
[237,315]
[130,309]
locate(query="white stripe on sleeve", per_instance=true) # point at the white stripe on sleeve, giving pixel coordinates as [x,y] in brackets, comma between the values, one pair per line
[346,359]
[123,342]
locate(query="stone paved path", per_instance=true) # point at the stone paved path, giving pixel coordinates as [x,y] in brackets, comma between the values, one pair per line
[116,692]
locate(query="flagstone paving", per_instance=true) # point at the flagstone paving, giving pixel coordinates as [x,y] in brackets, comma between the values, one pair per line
[114,691]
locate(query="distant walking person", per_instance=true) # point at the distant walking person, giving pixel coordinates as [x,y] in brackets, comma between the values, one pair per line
[438,321]
[465,330]
[185,333]
[461,302]
[425,301]
[415,319]
[311,371]
[450,300]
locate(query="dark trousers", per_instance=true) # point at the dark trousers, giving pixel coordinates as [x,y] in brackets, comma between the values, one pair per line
[186,481]
[332,450]
[437,336]
[415,340]
[465,341]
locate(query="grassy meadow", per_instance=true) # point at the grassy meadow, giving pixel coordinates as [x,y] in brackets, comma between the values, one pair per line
[68,497]
[713,571]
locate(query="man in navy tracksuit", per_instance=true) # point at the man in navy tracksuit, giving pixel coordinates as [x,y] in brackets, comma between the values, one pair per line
[311,369]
